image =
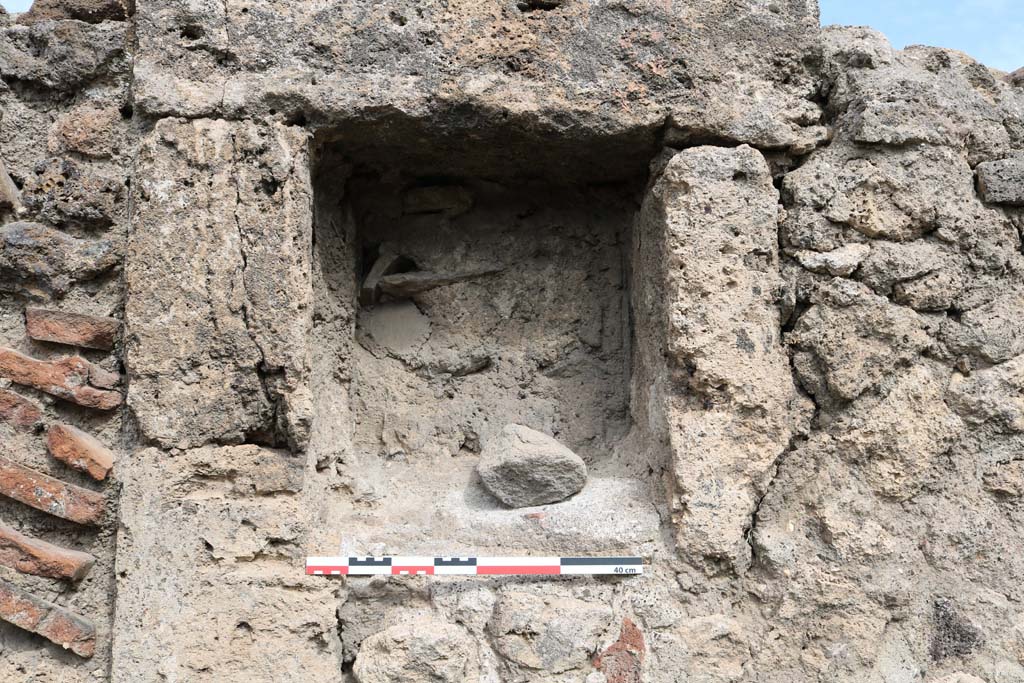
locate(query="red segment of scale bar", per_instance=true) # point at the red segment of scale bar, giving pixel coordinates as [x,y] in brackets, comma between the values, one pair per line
[507,569]
[425,569]
[327,569]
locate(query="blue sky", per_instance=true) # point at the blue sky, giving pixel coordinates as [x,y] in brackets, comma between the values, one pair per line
[991,31]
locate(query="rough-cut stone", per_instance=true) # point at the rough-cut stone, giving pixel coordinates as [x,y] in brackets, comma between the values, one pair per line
[91,11]
[712,375]
[19,412]
[44,618]
[50,495]
[39,260]
[64,56]
[227,358]
[419,651]
[65,193]
[79,450]
[840,262]
[994,394]
[74,329]
[1002,181]
[72,378]
[88,130]
[623,660]
[32,556]
[523,467]
[10,195]
[551,633]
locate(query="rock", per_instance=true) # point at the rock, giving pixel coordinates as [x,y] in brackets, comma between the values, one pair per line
[88,130]
[623,660]
[38,260]
[19,412]
[953,634]
[10,195]
[450,200]
[993,331]
[72,378]
[523,467]
[64,192]
[552,633]
[80,451]
[90,11]
[1002,181]
[48,620]
[423,650]
[839,262]
[65,56]
[712,375]
[32,556]
[993,394]
[74,329]
[405,285]
[50,495]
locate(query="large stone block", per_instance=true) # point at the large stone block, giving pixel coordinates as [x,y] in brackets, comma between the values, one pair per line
[225,360]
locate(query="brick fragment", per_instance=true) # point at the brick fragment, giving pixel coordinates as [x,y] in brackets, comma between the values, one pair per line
[72,379]
[18,411]
[89,331]
[45,493]
[623,661]
[79,450]
[44,618]
[32,556]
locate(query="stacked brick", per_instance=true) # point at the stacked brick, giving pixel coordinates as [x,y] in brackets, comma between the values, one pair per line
[65,147]
[77,380]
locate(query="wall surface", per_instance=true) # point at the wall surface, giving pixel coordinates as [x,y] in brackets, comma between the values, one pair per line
[766,278]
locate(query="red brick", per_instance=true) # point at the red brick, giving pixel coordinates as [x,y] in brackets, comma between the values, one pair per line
[45,493]
[623,661]
[88,331]
[32,556]
[44,618]
[79,450]
[72,379]
[19,412]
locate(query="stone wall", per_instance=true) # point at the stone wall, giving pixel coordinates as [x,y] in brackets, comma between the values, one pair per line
[766,278]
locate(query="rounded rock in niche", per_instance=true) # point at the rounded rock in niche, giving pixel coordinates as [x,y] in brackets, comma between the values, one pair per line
[523,467]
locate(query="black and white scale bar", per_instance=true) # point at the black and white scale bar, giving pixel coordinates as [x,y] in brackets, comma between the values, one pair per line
[480,566]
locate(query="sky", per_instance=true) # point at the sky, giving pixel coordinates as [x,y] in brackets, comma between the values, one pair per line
[991,31]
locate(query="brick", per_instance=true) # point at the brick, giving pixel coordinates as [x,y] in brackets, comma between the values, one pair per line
[19,412]
[623,661]
[79,450]
[48,620]
[45,493]
[72,379]
[32,556]
[74,329]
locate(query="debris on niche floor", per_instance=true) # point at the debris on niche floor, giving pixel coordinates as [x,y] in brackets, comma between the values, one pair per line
[522,467]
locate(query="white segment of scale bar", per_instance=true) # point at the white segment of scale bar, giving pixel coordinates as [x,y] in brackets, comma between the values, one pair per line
[518,561]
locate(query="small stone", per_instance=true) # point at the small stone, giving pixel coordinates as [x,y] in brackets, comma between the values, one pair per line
[74,329]
[839,262]
[72,379]
[87,130]
[19,412]
[80,451]
[62,192]
[38,260]
[50,495]
[523,467]
[424,650]
[47,619]
[32,556]
[1002,181]
[451,200]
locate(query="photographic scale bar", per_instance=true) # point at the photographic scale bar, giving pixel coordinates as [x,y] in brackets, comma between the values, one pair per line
[472,566]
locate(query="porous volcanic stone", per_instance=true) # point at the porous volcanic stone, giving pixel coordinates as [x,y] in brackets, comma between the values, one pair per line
[523,467]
